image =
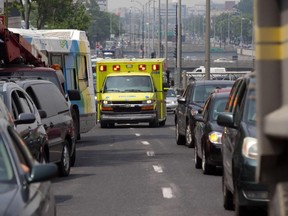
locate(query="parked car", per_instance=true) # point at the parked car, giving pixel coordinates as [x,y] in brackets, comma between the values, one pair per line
[58,122]
[25,184]
[189,103]
[171,100]
[208,133]
[27,119]
[240,150]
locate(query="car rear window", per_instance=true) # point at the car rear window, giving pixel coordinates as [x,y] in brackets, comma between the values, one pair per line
[202,92]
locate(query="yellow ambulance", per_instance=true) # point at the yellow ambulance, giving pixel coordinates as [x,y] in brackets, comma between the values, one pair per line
[131,91]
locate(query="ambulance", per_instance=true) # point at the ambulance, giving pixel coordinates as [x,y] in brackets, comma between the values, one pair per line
[131,91]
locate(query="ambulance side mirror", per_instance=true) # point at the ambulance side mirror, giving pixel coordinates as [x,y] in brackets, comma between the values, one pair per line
[166,86]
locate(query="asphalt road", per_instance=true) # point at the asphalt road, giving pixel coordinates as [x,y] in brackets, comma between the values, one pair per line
[134,170]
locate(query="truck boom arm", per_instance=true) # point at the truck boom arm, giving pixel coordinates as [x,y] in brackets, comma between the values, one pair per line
[14,48]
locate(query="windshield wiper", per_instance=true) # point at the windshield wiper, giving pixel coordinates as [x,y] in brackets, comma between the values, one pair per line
[133,90]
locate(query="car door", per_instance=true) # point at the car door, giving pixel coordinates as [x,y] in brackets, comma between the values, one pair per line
[182,110]
[232,134]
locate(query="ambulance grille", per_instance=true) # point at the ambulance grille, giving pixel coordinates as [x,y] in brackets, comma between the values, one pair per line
[127,102]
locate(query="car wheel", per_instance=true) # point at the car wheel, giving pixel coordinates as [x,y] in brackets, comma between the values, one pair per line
[65,163]
[162,123]
[76,123]
[103,125]
[197,159]
[227,195]
[73,157]
[206,168]
[189,136]
[180,139]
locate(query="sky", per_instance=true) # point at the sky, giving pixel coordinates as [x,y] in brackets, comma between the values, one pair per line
[114,4]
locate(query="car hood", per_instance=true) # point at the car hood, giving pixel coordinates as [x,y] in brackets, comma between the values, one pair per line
[7,195]
[128,96]
[171,98]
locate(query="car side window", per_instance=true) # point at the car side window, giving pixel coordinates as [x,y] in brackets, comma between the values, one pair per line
[16,105]
[232,96]
[238,102]
[26,106]
[43,91]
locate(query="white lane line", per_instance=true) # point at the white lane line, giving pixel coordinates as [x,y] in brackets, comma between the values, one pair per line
[145,143]
[157,169]
[167,192]
[137,134]
[150,153]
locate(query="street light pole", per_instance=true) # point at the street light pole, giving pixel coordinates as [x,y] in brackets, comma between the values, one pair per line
[207,39]
[166,31]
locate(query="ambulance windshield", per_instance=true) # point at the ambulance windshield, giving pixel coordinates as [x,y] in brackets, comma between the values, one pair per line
[128,84]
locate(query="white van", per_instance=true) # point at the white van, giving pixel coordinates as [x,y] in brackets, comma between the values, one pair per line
[212,69]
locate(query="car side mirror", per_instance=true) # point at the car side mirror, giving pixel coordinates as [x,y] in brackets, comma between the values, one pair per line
[25,118]
[181,100]
[226,119]
[42,172]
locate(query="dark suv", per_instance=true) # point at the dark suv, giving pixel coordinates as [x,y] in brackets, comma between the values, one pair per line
[189,103]
[240,150]
[27,119]
[58,122]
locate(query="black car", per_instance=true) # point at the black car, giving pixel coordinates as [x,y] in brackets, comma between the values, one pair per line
[58,121]
[27,119]
[208,133]
[240,150]
[25,186]
[189,103]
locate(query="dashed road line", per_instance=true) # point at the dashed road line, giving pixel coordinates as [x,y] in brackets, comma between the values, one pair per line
[150,153]
[167,193]
[157,169]
[137,134]
[145,143]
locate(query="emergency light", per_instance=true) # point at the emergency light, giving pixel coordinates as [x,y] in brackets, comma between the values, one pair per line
[155,67]
[142,67]
[116,67]
[102,68]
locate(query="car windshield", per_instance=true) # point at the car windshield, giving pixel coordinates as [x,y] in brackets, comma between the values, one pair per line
[202,92]
[170,93]
[6,170]
[128,84]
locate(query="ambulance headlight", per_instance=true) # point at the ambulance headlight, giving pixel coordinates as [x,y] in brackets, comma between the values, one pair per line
[148,102]
[105,102]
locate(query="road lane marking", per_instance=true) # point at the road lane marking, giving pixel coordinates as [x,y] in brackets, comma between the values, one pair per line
[137,134]
[150,153]
[145,143]
[157,169]
[167,192]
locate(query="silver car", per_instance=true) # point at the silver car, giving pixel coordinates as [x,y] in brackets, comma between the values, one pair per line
[171,100]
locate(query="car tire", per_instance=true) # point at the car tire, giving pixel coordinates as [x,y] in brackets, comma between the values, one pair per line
[65,163]
[180,139]
[73,157]
[162,123]
[75,117]
[197,159]
[227,195]
[189,137]
[103,125]
[206,168]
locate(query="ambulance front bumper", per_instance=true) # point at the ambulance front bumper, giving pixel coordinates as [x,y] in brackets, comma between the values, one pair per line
[128,118]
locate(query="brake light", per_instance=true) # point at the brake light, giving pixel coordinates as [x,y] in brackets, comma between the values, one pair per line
[155,67]
[102,68]
[116,67]
[142,67]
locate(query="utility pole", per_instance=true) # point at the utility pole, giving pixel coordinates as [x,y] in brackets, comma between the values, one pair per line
[166,31]
[207,41]
[179,44]
[159,28]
